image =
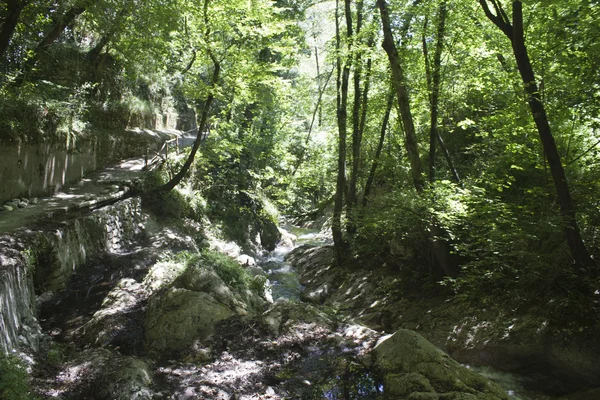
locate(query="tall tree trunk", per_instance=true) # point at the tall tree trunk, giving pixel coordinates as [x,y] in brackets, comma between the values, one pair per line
[203,123]
[515,33]
[384,124]
[399,81]
[343,76]
[13,13]
[440,246]
[447,157]
[319,107]
[356,114]
[433,83]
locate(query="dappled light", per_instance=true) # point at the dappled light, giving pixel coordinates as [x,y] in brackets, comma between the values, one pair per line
[299,199]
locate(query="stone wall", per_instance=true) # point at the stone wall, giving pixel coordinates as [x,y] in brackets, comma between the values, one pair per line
[47,259]
[61,252]
[17,298]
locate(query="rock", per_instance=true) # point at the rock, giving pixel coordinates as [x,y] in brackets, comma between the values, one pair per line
[106,375]
[413,368]
[200,278]
[317,296]
[116,323]
[269,234]
[34,200]
[7,208]
[178,317]
[285,314]
[245,259]
[256,271]
[25,200]
[22,204]
[161,275]
[287,239]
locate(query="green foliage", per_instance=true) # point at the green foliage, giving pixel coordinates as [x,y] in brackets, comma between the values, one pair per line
[14,380]
[227,268]
[172,204]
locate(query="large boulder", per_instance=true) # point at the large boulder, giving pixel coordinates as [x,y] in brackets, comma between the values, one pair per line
[118,322]
[106,375]
[177,317]
[413,368]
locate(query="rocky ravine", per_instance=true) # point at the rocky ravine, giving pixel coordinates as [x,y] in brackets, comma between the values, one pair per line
[546,364]
[165,317]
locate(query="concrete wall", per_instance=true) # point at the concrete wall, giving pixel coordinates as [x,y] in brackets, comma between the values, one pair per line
[33,170]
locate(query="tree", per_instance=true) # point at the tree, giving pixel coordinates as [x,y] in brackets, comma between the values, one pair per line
[399,82]
[9,23]
[515,33]
[343,77]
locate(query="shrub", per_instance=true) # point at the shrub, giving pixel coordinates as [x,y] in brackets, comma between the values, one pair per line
[14,380]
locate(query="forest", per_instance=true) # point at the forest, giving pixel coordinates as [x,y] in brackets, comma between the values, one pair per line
[444,154]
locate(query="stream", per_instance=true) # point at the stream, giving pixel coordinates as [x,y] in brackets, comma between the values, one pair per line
[308,362]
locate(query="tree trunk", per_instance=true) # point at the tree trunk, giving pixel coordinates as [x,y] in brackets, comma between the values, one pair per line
[384,124]
[440,246]
[356,133]
[399,82]
[60,23]
[13,12]
[203,122]
[433,83]
[515,33]
[343,75]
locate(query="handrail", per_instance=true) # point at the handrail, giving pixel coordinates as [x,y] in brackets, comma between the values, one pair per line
[165,147]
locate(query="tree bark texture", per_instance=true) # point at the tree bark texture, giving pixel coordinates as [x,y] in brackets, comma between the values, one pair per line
[201,127]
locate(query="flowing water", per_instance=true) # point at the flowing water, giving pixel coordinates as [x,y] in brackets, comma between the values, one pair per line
[339,376]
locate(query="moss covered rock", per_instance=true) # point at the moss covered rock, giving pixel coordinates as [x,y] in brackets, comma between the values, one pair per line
[413,368]
[177,317]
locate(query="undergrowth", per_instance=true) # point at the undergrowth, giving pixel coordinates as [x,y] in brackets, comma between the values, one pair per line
[14,380]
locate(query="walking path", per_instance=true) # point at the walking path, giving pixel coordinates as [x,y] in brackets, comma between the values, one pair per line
[95,188]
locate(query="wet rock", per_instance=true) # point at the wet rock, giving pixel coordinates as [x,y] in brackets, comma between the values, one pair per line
[284,314]
[178,317]
[22,204]
[413,368]
[7,208]
[287,239]
[34,200]
[269,234]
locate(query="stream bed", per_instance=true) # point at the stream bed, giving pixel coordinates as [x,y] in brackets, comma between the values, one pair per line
[309,355]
